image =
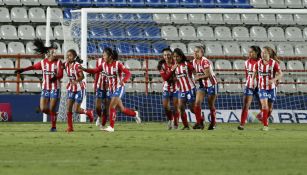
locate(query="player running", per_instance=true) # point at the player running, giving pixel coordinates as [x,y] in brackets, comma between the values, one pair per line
[268,72]
[52,71]
[206,79]
[170,91]
[250,89]
[75,88]
[114,71]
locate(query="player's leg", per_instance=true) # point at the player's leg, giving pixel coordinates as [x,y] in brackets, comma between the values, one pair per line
[69,106]
[54,98]
[183,115]
[98,103]
[175,112]
[211,104]
[200,95]
[167,108]
[247,100]
[78,100]
[105,112]
[265,112]
[44,100]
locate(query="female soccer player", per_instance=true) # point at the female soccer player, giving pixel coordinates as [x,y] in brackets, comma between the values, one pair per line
[75,88]
[183,70]
[52,70]
[207,85]
[114,71]
[170,91]
[269,73]
[102,96]
[250,88]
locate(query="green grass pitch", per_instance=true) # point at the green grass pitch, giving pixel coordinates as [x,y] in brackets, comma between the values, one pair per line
[150,149]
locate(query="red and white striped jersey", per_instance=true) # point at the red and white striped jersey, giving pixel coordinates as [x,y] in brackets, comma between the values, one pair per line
[100,78]
[200,66]
[50,70]
[169,83]
[266,72]
[73,73]
[249,70]
[184,73]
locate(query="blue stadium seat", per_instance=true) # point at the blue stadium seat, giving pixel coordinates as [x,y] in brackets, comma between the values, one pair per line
[83,3]
[152,33]
[91,49]
[66,3]
[189,3]
[102,46]
[143,17]
[118,3]
[117,33]
[101,3]
[157,47]
[124,48]
[136,3]
[67,14]
[206,3]
[224,3]
[241,3]
[153,3]
[98,33]
[126,17]
[134,33]
[108,17]
[171,3]
[142,49]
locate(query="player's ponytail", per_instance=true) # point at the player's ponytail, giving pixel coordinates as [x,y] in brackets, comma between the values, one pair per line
[40,47]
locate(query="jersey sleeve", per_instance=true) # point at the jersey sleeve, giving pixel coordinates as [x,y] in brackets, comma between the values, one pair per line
[94,71]
[205,64]
[122,68]
[276,67]
[60,70]
[36,66]
[245,69]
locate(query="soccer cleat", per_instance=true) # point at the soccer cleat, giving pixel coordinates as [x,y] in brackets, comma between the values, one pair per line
[186,128]
[101,128]
[53,129]
[69,130]
[98,123]
[265,128]
[170,124]
[240,127]
[212,126]
[259,116]
[109,129]
[90,115]
[137,118]
[199,126]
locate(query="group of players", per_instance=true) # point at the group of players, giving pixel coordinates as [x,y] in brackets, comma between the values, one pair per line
[186,82]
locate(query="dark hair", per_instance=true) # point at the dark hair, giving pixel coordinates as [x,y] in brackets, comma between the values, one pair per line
[40,47]
[111,52]
[162,61]
[181,54]
[257,50]
[77,58]
[272,53]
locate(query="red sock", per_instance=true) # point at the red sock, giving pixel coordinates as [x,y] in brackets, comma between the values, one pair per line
[53,119]
[176,117]
[69,120]
[129,112]
[98,111]
[169,115]
[112,117]
[104,119]
[184,119]
[213,115]
[197,110]
[265,113]
[243,116]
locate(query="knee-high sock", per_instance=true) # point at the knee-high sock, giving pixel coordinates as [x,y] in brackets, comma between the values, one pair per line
[213,115]
[244,116]
[112,117]
[184,119]
[176,117]
[169,115]
[265,113]
[98,111]
[53,119]
[69,120]
[197,111]
[129,112]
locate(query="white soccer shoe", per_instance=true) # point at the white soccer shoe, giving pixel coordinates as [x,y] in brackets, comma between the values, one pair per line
[98,123]
[137,118]
[170,124]
[265,128]
[101,128]
[109,129]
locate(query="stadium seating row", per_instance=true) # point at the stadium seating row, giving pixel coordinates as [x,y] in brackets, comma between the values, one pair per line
[28,2]
[228,86]
[255,33]
[35,14]
[27,32]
